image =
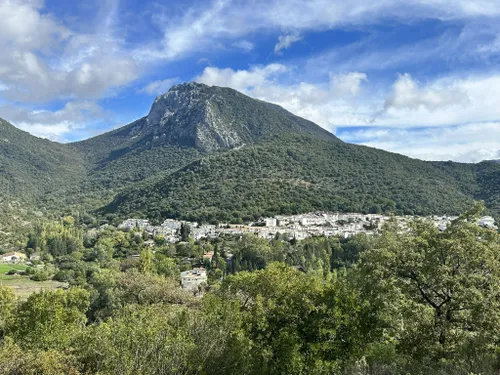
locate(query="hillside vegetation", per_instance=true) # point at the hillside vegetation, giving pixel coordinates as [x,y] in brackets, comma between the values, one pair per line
[210,153]
[422,301]
[296,174]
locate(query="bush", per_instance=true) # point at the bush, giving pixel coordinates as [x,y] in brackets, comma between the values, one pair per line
[40,275]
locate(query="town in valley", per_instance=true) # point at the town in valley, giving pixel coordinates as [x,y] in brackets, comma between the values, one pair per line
[296,227]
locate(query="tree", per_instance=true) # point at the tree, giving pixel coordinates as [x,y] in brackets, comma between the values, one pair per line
[68,221]
[146,260]
[140,340]
[185,231]
[49,320]
[297,323]
[438,291]
[7,306]
[14,360]
[166,266]
[34,241]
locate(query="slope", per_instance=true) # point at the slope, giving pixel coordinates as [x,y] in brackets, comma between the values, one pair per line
[192,120]
[298,173]
[32,168]
[212,153]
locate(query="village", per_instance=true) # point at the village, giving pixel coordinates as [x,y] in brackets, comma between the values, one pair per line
[296,227]
[290,227]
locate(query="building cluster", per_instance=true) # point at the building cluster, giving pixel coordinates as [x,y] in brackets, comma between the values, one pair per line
[487,222]
[170,229]
[290,226]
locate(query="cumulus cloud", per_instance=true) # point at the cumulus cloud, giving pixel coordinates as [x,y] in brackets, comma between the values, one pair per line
[159,87]
[47,61]
[54,125]
[23,26]
[241,80]
[326,104]
[464,143]
[285,41]
[348,84]
[408,95]
[443,102]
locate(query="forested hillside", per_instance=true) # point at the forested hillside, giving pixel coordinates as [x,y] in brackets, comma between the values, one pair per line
[31,167]
[210,153]
[293,174]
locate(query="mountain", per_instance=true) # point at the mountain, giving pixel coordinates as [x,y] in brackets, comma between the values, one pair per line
[189,122]
[297,173]
[212,153]
[32,167]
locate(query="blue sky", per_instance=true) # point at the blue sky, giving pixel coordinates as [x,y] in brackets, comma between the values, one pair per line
[420,78]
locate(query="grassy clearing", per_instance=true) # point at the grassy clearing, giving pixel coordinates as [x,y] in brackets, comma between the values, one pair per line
[23,286]
[4,268]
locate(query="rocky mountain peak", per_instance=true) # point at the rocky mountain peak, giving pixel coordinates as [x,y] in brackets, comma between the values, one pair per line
[179,96]
[188,114]
[213,118]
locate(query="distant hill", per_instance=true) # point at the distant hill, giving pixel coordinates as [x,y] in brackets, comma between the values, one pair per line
[192,120]
[212,153]
[31,167]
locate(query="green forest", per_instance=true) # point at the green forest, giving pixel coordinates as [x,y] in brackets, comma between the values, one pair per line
[225,157]
[419,301]
[295,174]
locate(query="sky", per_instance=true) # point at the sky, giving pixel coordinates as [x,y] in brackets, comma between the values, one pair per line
[420,78]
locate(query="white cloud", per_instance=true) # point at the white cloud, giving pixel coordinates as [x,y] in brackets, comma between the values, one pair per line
[47,61]
[487,49]
[326,104]
[159,87]
[348,84]
[54,125]
[444,102]
[244,45]
[465,143]
[23,26]
[216,23]
[285,41]
[241,80]
[408,95]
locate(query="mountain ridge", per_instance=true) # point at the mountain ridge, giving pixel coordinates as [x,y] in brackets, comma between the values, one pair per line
[196,115]
[221,155]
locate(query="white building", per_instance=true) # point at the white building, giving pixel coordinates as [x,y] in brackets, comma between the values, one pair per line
[134,223]
[282,221]
[487,222]
[192,279]
[13,257]
[204,231]
[309,221]
[172,224]
[270,222]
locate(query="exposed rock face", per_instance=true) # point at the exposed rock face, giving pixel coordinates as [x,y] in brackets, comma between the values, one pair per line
[218,118]
[189,115]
